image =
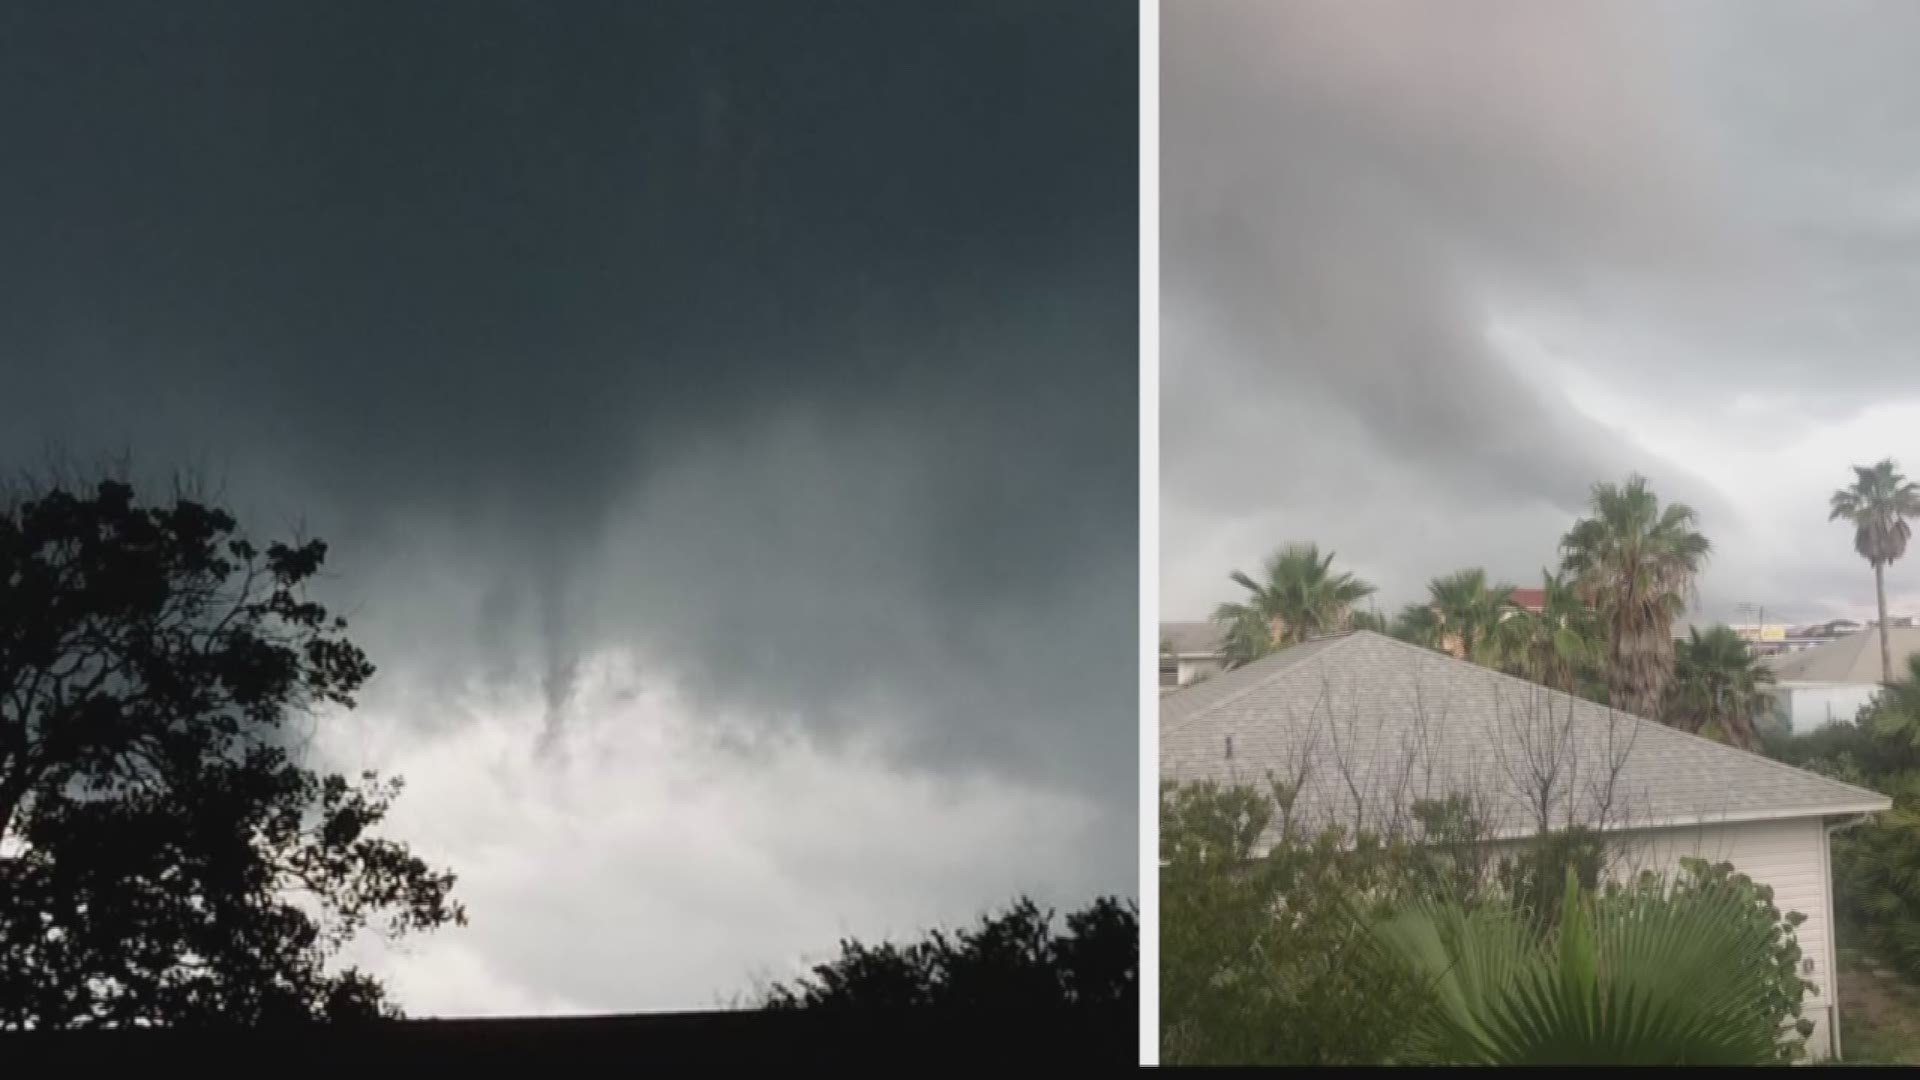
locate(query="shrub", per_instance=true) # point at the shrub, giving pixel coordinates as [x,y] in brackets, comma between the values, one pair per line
[1698,969]
[1261,959]
[1267,949]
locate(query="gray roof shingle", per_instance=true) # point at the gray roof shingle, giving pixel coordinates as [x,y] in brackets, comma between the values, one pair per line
[1368,724]
[1191,638]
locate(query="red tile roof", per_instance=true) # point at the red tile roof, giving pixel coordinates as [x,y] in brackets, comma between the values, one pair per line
[1531,599]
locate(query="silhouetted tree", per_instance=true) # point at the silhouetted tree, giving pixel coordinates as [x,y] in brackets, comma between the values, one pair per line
[164,859]
[1013,960]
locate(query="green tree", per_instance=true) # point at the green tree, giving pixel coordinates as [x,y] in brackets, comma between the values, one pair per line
[1878,504]
[1719,689]
[1894,716]
[164,857]
[1560,646]
[1466,612]
[1876,864]
[1013,960]
[1635,562]
[1368,620]
[1417,624]
[1264,951]
[1261,959]
[1696,971]
[1298,598]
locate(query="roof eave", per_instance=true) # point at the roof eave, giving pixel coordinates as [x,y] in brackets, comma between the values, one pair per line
[1742,817]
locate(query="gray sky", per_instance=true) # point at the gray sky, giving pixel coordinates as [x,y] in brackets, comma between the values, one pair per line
[724,428]
[1429,271]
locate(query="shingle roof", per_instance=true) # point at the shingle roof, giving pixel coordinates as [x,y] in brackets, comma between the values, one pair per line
[1365,713]
[1851,659]
[1191,638]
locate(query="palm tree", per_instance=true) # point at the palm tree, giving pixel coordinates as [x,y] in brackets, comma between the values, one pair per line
[1466,610]
[1719,688]
[1554,646]
[1878,504]
[1647,978]
[1635,562]
[1245,635]
[1368,620]
[1418,624]
[1299,598]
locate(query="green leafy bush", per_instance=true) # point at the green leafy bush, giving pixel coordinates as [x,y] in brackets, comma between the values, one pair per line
[1261,958]
[1697,970]
[1269,955]
[1876,865]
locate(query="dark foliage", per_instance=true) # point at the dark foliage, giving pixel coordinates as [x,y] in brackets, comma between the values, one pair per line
[1269,952]
[1266,959]
[164,857]
[1012,961]
[1876,864]
[1534,877]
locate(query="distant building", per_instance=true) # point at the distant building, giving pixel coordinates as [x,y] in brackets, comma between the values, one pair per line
[1774,639]
[1829,684]
[1534,600]
[1764,633]
[1189,652]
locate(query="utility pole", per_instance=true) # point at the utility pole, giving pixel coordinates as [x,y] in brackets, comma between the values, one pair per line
[1756,643]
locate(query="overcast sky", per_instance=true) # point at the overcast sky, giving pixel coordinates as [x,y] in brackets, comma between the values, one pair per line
[1431,270]
[723,417]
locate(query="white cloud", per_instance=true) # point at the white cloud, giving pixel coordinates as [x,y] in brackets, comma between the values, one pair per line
[661,859]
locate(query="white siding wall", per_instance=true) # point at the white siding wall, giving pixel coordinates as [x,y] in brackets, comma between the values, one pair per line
[1193,669]
[1789,855]
[1809,706]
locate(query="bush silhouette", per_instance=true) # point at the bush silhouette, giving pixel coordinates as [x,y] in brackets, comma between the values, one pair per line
[1012,960]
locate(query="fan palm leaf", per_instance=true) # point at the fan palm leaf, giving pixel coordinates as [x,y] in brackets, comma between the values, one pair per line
[1632,980]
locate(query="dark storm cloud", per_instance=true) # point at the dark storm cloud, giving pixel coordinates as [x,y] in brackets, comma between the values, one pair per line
[797,345]
[1392,230]
[1430,270]
[1344,180]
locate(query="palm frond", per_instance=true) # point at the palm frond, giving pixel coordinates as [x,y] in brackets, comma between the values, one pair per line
[1635,979]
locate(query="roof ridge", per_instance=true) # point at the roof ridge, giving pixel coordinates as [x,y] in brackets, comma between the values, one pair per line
[1780,765]
[1257,683]
[1531,686]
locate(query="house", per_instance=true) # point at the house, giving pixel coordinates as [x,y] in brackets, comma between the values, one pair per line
[1830,683]
[1533,600]
[1763,639]
[1365,726]
[1190,651]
